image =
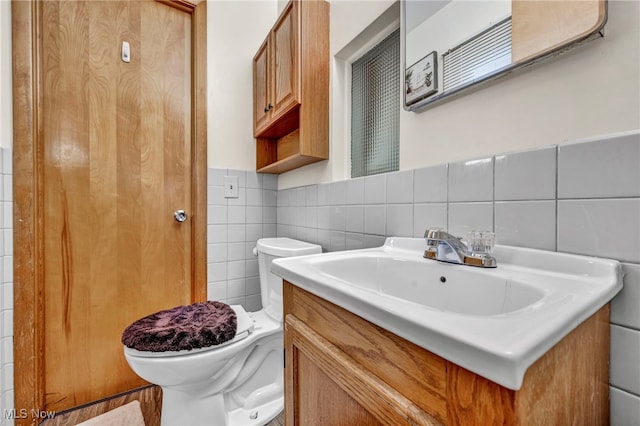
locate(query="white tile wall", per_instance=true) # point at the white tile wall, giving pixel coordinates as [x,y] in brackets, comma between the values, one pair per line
[337,193]
[625,368]
[526,223]
[375,219]
[579,197]
[430,184]
[465,217]
[355,219]
[375,189]
[354,241]
[608,227]
[337,218]
[625,408]
[234,226]
[323,195]
[625,308]
[6,287]
[600,168]
[355,191]
[400,187]
[528,175]
[471,180]
[433,215]
[399,220]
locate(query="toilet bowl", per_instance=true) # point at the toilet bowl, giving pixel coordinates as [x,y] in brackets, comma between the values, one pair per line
[239,382]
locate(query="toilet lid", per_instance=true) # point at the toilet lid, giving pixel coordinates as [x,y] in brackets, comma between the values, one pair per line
[244,328]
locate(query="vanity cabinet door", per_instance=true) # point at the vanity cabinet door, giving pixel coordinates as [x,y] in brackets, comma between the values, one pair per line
[323,385]
[315,380]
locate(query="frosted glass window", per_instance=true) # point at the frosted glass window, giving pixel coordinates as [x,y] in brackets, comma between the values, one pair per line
[375,109]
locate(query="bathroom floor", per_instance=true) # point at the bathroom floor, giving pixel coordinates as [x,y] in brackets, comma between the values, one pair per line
[278,421]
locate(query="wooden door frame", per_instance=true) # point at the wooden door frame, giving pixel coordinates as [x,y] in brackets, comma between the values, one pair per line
[28,207]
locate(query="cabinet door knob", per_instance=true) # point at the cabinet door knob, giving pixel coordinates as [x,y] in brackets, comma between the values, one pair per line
[266,109]
[270,107]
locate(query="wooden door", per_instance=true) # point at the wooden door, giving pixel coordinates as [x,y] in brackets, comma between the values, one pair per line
[116,149]
[261,101]
[286,73]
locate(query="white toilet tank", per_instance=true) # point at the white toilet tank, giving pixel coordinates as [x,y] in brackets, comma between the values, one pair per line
[271,284]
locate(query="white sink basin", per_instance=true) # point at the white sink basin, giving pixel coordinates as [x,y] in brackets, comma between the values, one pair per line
[432,284]
[494,322]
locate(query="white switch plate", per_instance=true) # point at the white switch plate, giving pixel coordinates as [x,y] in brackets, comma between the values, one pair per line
[231,186]
[126,52]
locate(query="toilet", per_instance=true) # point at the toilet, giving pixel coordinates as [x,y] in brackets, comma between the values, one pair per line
[238,382]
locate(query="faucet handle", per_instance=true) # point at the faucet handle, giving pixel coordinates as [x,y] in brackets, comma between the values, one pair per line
[481,242]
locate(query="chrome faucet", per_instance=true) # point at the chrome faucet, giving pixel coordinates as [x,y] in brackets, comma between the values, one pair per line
[445,247]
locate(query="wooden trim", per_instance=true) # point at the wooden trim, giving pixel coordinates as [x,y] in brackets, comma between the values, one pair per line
[27,225]
[198,10]
[290,373]
[187,6]
[28,195]
[199,158]
[314,105]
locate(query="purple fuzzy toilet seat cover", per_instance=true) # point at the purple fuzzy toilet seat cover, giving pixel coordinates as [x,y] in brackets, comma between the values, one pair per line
[194,326]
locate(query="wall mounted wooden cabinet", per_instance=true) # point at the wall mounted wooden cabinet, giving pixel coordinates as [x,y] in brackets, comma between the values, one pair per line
[276,74]
[342,369]
[291,89]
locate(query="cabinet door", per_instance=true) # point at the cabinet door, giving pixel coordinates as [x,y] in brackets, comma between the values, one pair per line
[323,385]
[286,72]
[261,109]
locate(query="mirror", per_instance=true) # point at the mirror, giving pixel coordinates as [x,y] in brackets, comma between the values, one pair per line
[452,46]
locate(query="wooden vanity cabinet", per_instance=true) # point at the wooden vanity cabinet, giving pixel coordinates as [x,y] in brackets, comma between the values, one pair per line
[291,89]
[341,369]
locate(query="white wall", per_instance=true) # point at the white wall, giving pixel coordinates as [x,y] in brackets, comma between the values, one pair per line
[235,31]
[591,90]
